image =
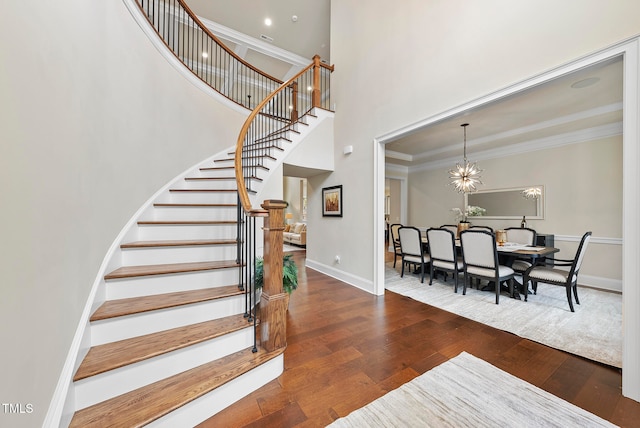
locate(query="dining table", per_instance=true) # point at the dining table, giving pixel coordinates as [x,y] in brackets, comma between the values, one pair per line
[533,254]
[509,252]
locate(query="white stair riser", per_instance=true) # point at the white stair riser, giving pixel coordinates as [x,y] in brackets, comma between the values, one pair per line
[197,411]
[161,255]
[215,173]
[194,213]
[111,330]
[207,184]
[119,381]
[201,198]
[158,284]
[155,232]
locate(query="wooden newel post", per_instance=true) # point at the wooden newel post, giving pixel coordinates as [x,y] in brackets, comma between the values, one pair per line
[273,303]
[315,96]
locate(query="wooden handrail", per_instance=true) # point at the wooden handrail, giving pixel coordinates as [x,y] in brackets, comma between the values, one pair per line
[291,83]
[229,51]
[187,37]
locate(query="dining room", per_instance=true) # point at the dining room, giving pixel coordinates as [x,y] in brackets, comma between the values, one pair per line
[564,138]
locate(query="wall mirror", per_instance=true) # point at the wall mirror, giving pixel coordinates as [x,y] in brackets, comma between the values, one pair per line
[510,203]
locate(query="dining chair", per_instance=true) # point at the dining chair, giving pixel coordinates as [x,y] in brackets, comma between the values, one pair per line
[480,258]
[487,228]
[442,250]
[412,250]
[395,239]
[551,275]
[524,236]
[451,227]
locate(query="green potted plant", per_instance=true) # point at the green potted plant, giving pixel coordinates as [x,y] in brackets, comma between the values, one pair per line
[289,273]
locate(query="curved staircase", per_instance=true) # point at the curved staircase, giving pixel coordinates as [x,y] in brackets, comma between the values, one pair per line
[171,343]
[171,339]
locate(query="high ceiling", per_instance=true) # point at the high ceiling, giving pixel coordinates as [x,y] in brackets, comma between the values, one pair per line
[306,36]
[521,122]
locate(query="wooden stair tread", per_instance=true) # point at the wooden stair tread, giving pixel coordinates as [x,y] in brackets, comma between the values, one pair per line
[178,243]
[110,356]
[209,178]
[162,269]
[163,204]
[202,190]
[135,305]
[186,222]
[216,168]
[146,404]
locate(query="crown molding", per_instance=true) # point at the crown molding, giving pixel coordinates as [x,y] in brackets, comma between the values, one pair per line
[254,44]
[555,141]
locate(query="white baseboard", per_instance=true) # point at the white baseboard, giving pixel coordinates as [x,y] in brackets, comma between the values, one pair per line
[600,283]
[356,281]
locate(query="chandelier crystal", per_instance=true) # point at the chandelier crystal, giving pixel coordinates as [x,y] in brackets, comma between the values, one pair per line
[466,176]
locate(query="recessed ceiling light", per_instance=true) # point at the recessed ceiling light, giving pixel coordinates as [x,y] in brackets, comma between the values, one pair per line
[585,82]
[267,22]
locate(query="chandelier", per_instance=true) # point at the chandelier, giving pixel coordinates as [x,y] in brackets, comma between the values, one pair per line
[465,176]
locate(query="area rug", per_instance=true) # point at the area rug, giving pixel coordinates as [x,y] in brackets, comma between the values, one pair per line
[469,392]
[593,331]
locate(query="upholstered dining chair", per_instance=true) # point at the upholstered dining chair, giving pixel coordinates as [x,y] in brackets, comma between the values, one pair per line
[524,236]
[551,275]
[412,249]
[480,258]
[487,228]
[442,250]
[395,239]
[451,227]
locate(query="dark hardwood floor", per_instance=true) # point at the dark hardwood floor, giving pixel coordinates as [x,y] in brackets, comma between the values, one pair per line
[346,347]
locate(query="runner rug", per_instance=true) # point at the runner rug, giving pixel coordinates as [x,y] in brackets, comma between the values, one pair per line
[469,392]
[593,331]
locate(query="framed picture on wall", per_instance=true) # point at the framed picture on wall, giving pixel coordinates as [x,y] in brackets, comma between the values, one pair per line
[332,201]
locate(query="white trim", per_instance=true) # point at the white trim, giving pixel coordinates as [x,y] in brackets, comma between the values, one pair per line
[630,49]
[356,281]
[254,44]
[559,140]
[379,175]
[600,283]
[630,220]
[593,240]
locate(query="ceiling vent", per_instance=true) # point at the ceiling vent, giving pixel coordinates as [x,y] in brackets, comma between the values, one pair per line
[266,38]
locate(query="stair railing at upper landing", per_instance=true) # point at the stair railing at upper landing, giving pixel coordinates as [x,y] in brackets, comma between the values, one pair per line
[278,108]
[204,54]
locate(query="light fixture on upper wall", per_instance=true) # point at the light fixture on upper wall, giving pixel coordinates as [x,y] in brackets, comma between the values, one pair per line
[532,193]
[466,176]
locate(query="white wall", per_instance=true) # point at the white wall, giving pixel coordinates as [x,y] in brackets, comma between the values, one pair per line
[92,122]
[292,193]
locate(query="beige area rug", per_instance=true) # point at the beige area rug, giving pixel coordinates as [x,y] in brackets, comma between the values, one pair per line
[469,392]
[593,331]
